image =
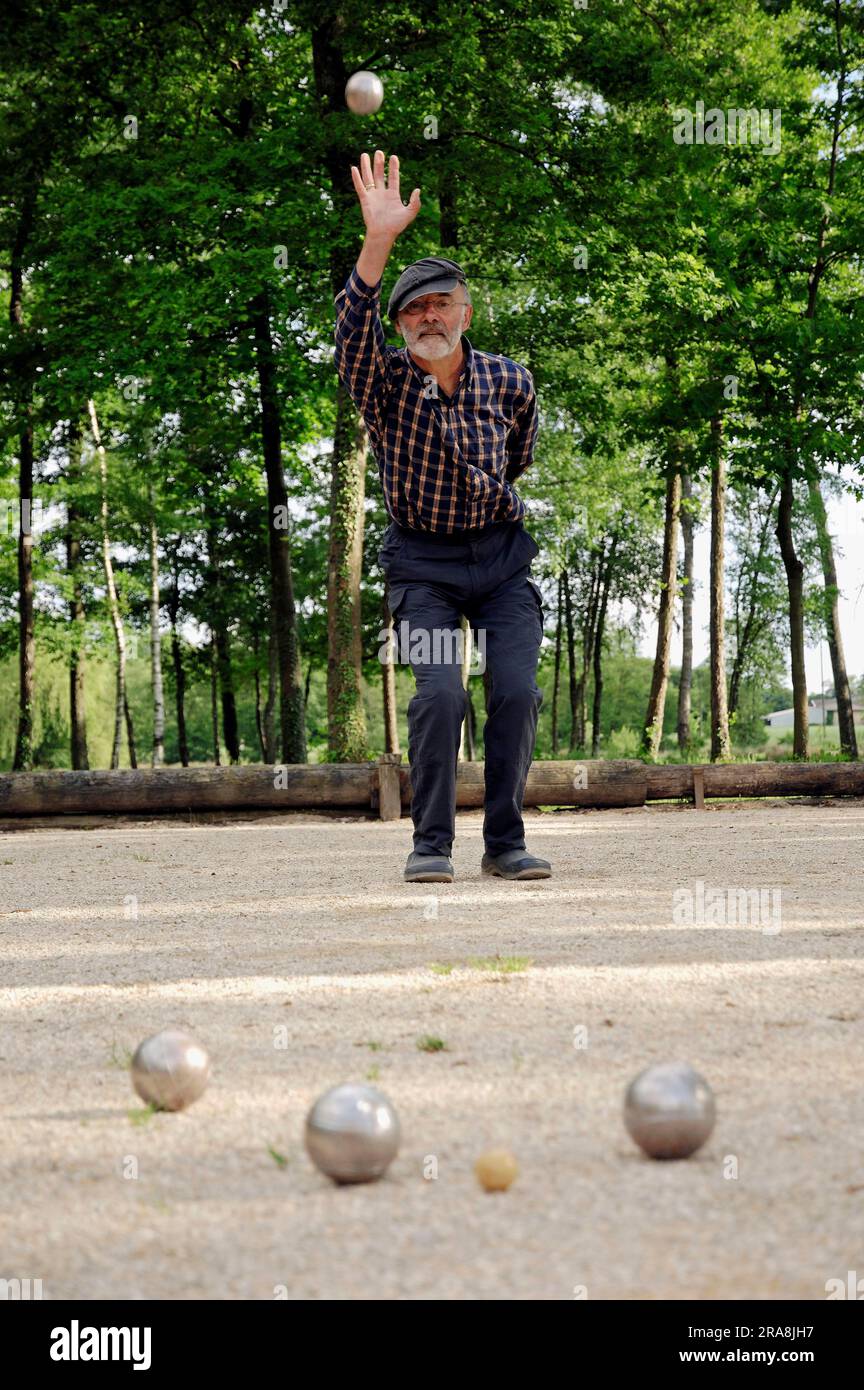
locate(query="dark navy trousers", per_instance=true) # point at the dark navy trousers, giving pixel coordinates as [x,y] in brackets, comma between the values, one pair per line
[432,583]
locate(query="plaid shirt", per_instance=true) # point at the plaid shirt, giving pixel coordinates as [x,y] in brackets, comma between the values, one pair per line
[446,463]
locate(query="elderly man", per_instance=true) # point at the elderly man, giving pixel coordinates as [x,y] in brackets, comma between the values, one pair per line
[451,429]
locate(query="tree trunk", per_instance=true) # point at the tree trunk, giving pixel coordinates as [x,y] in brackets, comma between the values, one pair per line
[795,582]
[113,604]
[471,727]
[77,705]
[291,712]
[785,535]
[653,731]
[845,715]
[26,606]
[556,682]
[23,392]
[259,721]
[597,707]
[685,687]
[180,697]
[271,743]
[591,631]
[388,682]
[130,731]
[571,657]
[746,631]
[291,709]
[346,718]
[219,629]
[588,628]
[230,728]
[158,754]
[177,661]
[720,745]
[214,699]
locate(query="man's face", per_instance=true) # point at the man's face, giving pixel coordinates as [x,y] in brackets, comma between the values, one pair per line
[432,324]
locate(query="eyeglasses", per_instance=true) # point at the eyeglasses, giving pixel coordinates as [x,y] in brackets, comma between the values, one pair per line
[435,301]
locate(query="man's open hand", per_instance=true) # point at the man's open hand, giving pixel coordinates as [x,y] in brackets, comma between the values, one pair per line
[384,212]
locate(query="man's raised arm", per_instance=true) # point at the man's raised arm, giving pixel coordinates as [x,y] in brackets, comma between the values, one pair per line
[359,333]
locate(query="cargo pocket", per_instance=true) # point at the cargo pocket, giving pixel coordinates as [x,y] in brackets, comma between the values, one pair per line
[398,639]
[535,587]
[395,598]
[385,556]
[535,549]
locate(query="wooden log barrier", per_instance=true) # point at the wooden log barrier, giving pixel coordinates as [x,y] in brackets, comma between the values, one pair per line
[385,786]
[616,782]
[668,781]
[186,789]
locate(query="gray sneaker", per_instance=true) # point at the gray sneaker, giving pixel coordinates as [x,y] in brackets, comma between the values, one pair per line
[428,868]
[516,863]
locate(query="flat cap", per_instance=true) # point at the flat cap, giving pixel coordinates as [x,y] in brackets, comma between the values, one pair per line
[432,275]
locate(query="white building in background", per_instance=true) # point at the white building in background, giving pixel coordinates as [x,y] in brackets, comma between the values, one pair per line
[785,718]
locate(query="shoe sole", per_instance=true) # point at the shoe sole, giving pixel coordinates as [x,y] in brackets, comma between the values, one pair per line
[428,878]
[522,874]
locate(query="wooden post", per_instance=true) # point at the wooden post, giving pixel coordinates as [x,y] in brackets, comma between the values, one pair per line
[389,794]
[698,789]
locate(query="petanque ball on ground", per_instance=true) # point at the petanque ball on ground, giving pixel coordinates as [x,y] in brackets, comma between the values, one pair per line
[669,1110]
[170,1070]
[496,1170]
[364,93]
[352,1133]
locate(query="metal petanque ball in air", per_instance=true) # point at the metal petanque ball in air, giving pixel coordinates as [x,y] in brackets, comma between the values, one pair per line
[352,1133]
[170,1070]
[669,1110]
[364,93]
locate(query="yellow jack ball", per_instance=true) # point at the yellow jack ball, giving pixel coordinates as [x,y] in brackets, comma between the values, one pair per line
[496,1170]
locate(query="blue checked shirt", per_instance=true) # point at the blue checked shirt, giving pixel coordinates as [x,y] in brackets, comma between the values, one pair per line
[446,463]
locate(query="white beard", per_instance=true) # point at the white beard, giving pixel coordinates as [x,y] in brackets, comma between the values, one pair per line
[433,347]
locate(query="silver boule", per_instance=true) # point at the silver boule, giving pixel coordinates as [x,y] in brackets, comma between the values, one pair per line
[170,1070]
[364,93]
[669,1110]
[352,1133]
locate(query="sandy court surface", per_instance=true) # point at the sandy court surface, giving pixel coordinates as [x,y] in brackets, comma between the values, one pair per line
[293,950]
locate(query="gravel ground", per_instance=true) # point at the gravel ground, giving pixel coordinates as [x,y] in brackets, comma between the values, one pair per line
[293,950]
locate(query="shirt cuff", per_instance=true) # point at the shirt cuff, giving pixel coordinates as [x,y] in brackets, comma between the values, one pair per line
[360,286]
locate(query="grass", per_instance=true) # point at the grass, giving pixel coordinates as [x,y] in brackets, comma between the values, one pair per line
[279,1159]
[372,1046]
[159,1204]
[120,1057]
[504,965]
[137,1118]
[429,1044]
[501,965]
[373,1073]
